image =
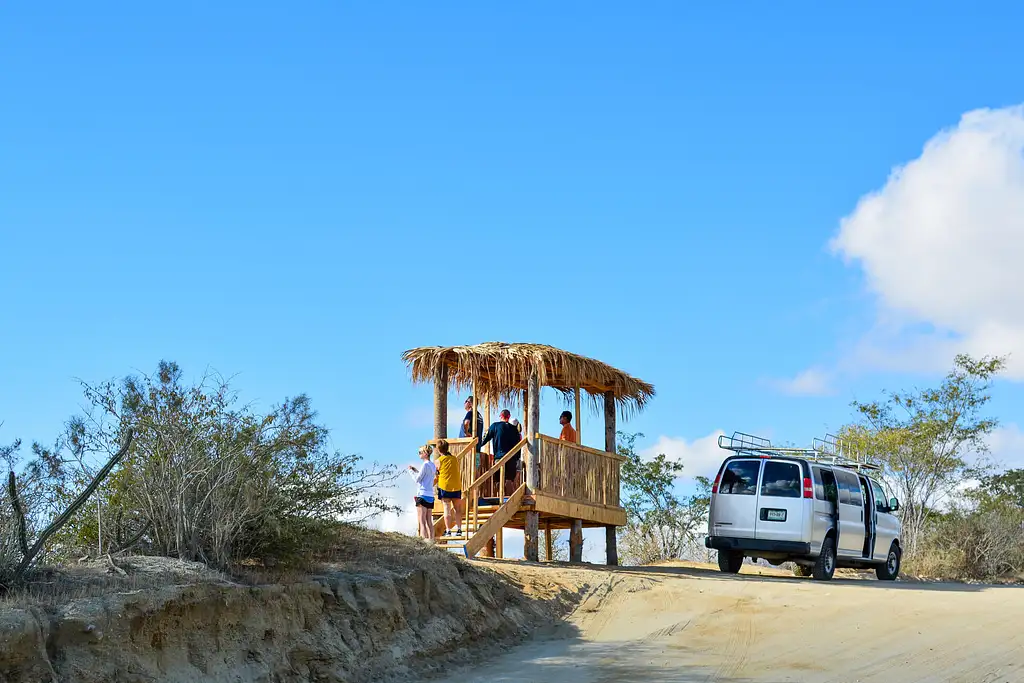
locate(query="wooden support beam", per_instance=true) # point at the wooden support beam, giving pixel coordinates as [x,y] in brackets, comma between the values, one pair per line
[576,541]
[611,546]
[548,543]
[499,545]
[533,442]
[609,422]
[579,417]
[530,540]
[441,404]
[610,532]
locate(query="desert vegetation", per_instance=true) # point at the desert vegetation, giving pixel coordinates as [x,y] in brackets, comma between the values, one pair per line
[156,465]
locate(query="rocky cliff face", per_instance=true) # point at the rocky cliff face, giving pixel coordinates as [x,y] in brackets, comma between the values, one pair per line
[340,626]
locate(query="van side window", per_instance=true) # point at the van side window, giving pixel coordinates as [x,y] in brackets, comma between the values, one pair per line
[881,502]
[828,481]
[844,487]
[781,479]
[849,488]
[740,477]
[855,494]
[819,487]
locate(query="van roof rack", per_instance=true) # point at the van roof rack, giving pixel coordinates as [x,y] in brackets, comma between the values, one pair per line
[830,450]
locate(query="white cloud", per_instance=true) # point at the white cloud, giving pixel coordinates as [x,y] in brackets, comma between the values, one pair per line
[1006,447]
[810,382]
[700,457]
[941,246]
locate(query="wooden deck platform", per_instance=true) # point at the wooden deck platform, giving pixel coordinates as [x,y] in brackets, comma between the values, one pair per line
[578,486]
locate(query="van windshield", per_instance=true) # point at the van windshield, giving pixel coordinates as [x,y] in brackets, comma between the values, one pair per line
[740,477]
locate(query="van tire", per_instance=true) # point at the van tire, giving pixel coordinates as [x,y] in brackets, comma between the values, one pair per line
[730,561]
[891,569]
[801,570]
[825,565]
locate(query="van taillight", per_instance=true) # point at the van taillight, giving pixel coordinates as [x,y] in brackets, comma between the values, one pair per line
[808,488]
[718,478]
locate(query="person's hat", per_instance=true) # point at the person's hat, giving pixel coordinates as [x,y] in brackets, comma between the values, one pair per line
[514,422]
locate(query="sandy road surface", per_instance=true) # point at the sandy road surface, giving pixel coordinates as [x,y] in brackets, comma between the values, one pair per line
[675,623]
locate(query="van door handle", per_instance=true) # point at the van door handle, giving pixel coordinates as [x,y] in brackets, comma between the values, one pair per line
[862,515]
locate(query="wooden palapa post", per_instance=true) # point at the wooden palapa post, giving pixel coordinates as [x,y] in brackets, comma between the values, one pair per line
[576,541]
[610,538]
[576,525]
[532,531]
[441,403]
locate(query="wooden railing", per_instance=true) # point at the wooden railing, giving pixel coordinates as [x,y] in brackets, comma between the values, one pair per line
[476,489]
[577,473]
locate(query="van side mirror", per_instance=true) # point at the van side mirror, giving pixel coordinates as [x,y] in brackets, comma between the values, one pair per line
[894,505]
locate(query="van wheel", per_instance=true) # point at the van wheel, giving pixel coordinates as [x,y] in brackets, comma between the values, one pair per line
[801,570]
[825,566]
[891,569]
[730,561]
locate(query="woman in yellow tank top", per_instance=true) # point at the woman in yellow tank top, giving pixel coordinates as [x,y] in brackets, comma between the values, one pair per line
[449,489]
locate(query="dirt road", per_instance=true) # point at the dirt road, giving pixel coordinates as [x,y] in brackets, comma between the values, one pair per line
[678,623]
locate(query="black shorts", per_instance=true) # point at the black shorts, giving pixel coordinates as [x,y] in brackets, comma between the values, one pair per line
[512,467]
[423,502]
[451,495]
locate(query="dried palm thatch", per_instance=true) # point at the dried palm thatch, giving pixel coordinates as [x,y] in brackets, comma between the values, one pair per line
[501,371]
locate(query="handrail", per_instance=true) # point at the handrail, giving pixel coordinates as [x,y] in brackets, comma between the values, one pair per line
[587,449]
[496,466]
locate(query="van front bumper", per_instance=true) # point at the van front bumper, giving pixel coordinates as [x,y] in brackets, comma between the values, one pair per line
[749,545]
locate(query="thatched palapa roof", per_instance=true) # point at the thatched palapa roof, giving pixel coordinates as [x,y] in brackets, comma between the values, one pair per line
[501,371]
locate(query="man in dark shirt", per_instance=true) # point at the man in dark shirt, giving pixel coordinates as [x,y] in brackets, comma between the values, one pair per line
[467,421]
[505,438]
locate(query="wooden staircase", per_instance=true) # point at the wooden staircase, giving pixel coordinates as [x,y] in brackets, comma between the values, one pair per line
[480,524]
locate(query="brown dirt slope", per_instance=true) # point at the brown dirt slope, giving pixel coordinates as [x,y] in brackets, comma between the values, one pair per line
[392,608]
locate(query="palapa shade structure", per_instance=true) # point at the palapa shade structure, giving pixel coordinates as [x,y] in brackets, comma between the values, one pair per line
[581,484]
[501,371]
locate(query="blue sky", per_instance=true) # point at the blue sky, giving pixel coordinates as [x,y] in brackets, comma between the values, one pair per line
[294,195]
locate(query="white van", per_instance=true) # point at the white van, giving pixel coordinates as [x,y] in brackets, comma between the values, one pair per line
[814,507]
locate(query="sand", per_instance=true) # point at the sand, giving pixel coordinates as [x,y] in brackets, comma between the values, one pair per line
[681,622]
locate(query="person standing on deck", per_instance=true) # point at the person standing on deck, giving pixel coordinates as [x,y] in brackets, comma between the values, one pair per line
[568,433]
[424,499]
[449,489]
[505,437]
[467,421]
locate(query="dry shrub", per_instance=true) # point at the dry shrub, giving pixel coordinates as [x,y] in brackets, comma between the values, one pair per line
[972,545]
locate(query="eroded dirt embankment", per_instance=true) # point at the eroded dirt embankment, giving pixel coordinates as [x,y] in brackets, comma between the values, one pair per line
[386,618]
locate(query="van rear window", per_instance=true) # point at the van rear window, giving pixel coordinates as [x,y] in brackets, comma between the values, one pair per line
[740,477]
[781,480]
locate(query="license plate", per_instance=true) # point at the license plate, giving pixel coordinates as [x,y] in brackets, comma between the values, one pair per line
[775,515]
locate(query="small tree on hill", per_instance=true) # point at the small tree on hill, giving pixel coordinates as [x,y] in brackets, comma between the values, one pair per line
[924,438]
[660,524]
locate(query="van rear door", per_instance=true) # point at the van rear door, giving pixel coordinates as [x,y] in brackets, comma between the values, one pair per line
[734,503]
[780,502]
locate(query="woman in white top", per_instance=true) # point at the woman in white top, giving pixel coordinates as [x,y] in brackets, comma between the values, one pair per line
[424,499]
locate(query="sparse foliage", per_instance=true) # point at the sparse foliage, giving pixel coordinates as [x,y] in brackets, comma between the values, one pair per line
[660,524]
[924,439]
[205,478]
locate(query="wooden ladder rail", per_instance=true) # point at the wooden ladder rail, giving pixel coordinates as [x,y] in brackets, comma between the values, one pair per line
[501,516]
[472,491]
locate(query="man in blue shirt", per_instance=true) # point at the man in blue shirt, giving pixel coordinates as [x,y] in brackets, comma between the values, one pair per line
[505,438]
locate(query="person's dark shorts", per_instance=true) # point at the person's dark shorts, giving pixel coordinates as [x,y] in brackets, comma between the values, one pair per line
[512,466]
[424,502]
[452,495]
